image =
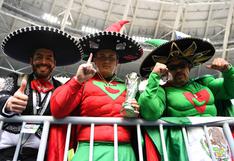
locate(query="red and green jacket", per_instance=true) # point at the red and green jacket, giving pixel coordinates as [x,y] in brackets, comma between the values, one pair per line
[94,98]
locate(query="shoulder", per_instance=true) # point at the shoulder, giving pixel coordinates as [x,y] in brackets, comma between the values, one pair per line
[204,79]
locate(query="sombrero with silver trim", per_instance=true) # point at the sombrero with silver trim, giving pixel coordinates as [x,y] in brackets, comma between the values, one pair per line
[20,44]
[194,50]
[126,48]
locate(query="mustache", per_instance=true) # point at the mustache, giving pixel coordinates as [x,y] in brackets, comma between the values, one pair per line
[42,65]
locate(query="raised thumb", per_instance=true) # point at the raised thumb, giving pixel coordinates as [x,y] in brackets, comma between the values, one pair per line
[23,86]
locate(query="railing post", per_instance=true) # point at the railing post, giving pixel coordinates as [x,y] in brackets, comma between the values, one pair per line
[165,156]
[18,146]
[91,142]
[139,142]
[116,153]
[1,124]
[67,141]
[43,142]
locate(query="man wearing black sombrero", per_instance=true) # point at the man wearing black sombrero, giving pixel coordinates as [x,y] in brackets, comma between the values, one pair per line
[96,91]
[43,48]
[182,97]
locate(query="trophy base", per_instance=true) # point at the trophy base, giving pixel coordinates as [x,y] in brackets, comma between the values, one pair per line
[129,112]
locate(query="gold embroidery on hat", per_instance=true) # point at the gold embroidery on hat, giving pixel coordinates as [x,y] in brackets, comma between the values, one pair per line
[175,50]
[201,57]
[190,50]
[188,54]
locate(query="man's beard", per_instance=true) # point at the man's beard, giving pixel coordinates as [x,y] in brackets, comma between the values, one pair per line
[42,75]
[180,79]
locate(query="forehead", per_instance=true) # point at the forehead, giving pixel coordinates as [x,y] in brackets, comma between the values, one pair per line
[43,52]
[106,53]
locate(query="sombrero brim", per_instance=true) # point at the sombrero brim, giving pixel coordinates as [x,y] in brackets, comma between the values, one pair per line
[127,49]
[21,44]
[204,51]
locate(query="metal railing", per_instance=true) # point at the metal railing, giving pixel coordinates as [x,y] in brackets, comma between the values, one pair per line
[138,123]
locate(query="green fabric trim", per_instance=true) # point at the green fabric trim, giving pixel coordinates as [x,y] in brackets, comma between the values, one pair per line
[197,103]
[177,120]
[120,88]
[117,79]
[104,151]
[156,42]
[175,145]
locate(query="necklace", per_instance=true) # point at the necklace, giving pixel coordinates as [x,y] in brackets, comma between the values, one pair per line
[103,79]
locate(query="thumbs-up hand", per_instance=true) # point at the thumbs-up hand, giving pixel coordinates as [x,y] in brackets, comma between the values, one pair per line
[86,71]
[18,102]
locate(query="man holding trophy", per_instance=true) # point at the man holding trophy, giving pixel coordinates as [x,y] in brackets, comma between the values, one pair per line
[96,91]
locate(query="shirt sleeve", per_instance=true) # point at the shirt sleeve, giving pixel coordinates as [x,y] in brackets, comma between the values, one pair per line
[152,100]
[66,98]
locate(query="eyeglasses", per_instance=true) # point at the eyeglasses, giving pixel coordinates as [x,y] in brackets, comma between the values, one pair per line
[177,66]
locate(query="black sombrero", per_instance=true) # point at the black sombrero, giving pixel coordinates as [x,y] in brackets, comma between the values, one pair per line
[21,43]
[127,49]
[194,50]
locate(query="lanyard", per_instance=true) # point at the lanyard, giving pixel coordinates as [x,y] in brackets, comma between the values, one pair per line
[39,106]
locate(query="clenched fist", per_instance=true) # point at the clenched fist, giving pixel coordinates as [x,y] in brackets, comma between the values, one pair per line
[219,64]
[160,69]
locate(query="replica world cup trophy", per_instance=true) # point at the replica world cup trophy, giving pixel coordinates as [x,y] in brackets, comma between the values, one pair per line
[132,82]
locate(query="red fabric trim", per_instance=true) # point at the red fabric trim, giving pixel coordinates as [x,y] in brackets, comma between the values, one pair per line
[104,133]
[56,143]
[152,153]
[41,85]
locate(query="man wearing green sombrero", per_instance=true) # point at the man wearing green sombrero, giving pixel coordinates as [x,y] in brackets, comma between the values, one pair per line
[43,48]
[182,96]
[96,91]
